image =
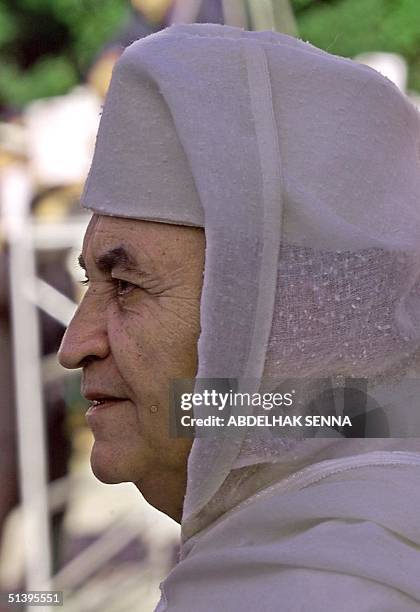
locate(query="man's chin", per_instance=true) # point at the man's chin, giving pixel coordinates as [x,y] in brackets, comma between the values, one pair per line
[108,467]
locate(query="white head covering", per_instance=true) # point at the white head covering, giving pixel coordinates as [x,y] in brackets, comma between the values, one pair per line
[303,168]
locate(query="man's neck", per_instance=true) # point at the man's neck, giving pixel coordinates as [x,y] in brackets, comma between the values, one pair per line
[165,491]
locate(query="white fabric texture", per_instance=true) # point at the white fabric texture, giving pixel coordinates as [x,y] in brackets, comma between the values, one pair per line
[331,540]
[303,169]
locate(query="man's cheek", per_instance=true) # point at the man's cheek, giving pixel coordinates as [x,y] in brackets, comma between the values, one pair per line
[154,333]
[184,312]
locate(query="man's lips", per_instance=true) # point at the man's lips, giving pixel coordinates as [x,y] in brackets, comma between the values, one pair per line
[100,400]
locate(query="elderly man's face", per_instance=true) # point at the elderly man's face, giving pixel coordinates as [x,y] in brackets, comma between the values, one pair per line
[136,328]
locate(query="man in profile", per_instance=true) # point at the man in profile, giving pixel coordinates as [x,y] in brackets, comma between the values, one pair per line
[244,227]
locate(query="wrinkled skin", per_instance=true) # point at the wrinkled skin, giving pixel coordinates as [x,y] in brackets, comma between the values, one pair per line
[136,328]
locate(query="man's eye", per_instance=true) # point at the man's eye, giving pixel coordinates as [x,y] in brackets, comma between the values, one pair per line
[124,287]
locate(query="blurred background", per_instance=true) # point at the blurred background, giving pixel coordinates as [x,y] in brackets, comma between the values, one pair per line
[59,527]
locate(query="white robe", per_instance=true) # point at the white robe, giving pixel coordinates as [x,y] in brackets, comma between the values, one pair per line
[341,535]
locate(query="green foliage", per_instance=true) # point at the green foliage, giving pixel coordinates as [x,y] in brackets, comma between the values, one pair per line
[47,45]
[99,25]
[350,27]
[8,26]
[50,76]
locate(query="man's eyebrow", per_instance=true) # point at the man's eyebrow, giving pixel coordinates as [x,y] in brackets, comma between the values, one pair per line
[107,261]
[115,257]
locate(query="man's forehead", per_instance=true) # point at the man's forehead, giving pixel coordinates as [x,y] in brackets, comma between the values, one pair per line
[105,235]
[104,224]
[103,227]
[146,242]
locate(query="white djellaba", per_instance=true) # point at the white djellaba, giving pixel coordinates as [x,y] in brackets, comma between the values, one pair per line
[304,170]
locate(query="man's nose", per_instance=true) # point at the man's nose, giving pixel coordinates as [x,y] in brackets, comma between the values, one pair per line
[85,339]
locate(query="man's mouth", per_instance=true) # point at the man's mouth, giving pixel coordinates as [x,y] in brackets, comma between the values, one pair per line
[99,402]
[105,402]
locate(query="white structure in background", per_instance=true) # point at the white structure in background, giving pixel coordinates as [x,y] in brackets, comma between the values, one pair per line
[15,195]
[390,65]
[254,14]
[61,134]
